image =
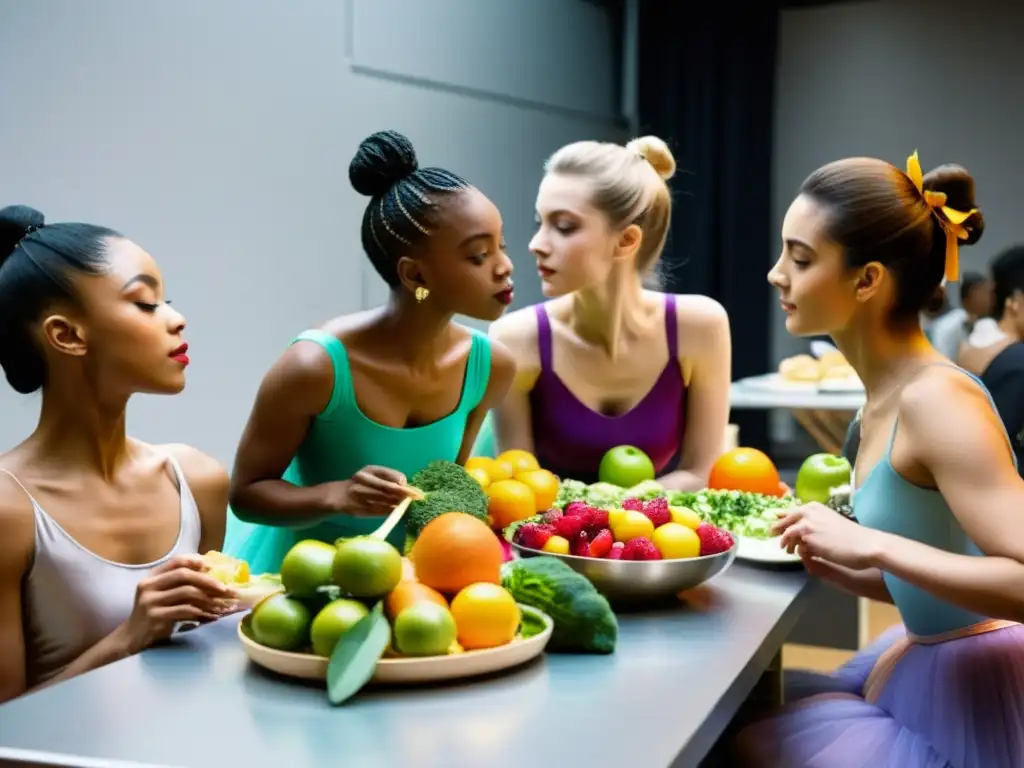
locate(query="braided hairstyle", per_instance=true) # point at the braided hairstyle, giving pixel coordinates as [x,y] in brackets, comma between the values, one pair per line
[404,199]
[37,264]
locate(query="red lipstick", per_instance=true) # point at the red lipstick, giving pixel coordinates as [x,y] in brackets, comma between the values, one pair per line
[179,354]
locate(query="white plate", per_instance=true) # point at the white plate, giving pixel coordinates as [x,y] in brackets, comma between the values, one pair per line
[852,384]
[763,551]
[405,671]
[773,382]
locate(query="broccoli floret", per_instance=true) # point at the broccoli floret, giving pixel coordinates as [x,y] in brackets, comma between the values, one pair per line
[446,487]
[569,491]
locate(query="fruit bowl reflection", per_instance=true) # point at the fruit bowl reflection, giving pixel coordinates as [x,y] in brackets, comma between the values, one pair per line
[625,581]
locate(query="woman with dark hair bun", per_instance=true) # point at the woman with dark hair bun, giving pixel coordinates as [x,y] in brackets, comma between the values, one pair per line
[356,406]
[939,503]
[101,532]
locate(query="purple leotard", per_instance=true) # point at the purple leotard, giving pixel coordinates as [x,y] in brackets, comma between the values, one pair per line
[570,439]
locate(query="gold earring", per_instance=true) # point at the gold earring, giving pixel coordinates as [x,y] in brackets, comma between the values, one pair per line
[421,293]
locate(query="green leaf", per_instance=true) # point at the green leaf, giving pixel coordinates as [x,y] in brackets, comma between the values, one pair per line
[356,655]
[531,625]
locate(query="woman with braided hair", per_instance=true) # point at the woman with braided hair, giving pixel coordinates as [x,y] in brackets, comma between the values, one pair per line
[939,503]
[354,407]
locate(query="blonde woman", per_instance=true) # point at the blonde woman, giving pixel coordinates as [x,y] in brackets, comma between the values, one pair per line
[607,361]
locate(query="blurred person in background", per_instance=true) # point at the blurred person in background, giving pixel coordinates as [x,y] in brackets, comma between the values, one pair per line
[951,330]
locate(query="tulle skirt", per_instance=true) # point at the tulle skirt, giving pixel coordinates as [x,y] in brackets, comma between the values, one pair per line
[953,700]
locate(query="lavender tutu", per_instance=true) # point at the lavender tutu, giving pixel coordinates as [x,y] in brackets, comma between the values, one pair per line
[955,700]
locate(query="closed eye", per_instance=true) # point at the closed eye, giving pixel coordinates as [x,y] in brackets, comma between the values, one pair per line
[145,307]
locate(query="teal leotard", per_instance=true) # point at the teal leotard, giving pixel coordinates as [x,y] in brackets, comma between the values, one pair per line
[342,440]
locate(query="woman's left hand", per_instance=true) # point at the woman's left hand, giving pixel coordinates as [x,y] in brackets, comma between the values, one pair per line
[817,531]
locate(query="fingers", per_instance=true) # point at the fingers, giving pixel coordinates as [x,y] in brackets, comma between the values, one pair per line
[187,594]
[385,475]
[175,613]
[193,562]
[184,576]
[786,520]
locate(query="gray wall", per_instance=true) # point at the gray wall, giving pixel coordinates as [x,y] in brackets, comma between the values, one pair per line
[218,135]
[886,77]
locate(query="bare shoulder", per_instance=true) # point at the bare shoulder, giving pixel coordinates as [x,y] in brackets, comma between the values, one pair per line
[942,404]
[503,362]
[17,521]
[203,472]
[700,313]
[517,332]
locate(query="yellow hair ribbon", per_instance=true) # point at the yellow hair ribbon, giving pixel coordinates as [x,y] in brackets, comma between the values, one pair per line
[951,219]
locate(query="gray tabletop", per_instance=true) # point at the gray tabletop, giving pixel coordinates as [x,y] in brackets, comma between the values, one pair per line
[663,698]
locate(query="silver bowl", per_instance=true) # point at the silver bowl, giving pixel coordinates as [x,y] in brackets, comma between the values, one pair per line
[641,580]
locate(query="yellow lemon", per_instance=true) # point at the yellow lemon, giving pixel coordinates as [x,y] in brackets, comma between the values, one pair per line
[632,525]
[520,460]
[685,516]
[675,540]
[615,517]
[480,475]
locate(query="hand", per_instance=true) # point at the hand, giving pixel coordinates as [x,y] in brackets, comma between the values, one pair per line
[374,492]
[819,532]
[178,590]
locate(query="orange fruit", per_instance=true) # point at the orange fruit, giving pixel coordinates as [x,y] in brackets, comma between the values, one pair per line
[486,616]
[455,550]
[480,475]
[509,501]
[544,485]
[493,468]
[745,469]
[409,593]
[521,461]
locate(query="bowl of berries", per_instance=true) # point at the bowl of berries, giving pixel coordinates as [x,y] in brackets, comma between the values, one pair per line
[642,551]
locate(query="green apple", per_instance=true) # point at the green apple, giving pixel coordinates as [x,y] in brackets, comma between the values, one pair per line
[818,475]
[625,466]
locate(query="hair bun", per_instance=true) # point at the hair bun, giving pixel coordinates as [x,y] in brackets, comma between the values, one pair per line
[656,152]
[16,221]
[957,184]
[382,160]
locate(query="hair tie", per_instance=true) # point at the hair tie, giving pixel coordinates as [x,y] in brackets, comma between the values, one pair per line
[951,220]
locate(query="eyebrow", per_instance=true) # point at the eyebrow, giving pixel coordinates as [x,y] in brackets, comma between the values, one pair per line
[477,236]
[559,212]
[145,279]
[794,242]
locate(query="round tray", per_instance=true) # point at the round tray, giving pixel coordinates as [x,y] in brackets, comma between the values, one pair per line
[406,671]
[750,550]
[636,580]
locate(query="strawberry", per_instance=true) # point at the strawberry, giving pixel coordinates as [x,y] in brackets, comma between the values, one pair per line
[601,544]
[657,511]
[615,553]
[534,535]
[634,504]
[640,548]
[574,508]
[550,516]
[580,546]
[598,519]
[713,540]
[569,526]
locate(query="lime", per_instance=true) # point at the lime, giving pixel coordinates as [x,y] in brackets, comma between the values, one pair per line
[367,567]
[281,622]
[332,622]
[424,629]
[307,567]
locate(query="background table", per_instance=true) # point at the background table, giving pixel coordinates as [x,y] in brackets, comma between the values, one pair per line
[676,680]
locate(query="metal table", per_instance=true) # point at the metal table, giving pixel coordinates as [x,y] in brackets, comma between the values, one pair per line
[677,679]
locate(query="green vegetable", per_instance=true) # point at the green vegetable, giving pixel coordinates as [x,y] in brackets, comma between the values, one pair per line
[584,622]
[647,490]
[570,490]
[447,487]
[531,625]
[746,514]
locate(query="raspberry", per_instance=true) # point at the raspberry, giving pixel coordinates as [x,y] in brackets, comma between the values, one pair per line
[598,519]
[634,504]
[576,507]
[550,516]
[579,546]
[569,526]
[602,544]
[534,535]
[713,540]
[640,548]
[615,553]
[657,511]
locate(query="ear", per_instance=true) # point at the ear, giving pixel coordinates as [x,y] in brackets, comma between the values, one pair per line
[65,335]
[869,280]
[629,242]
[410,273]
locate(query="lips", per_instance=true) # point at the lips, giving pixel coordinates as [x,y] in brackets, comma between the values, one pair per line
[505,297]
[544,271]
[786,306]
[179,354]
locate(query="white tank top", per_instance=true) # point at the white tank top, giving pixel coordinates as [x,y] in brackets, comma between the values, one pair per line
[72,598]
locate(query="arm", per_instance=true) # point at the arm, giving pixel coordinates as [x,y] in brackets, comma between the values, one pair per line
[867,583]
[16,547]
[513,425]
[967,455]
[295,390]
[209,482]
[705,324]
[503,370]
